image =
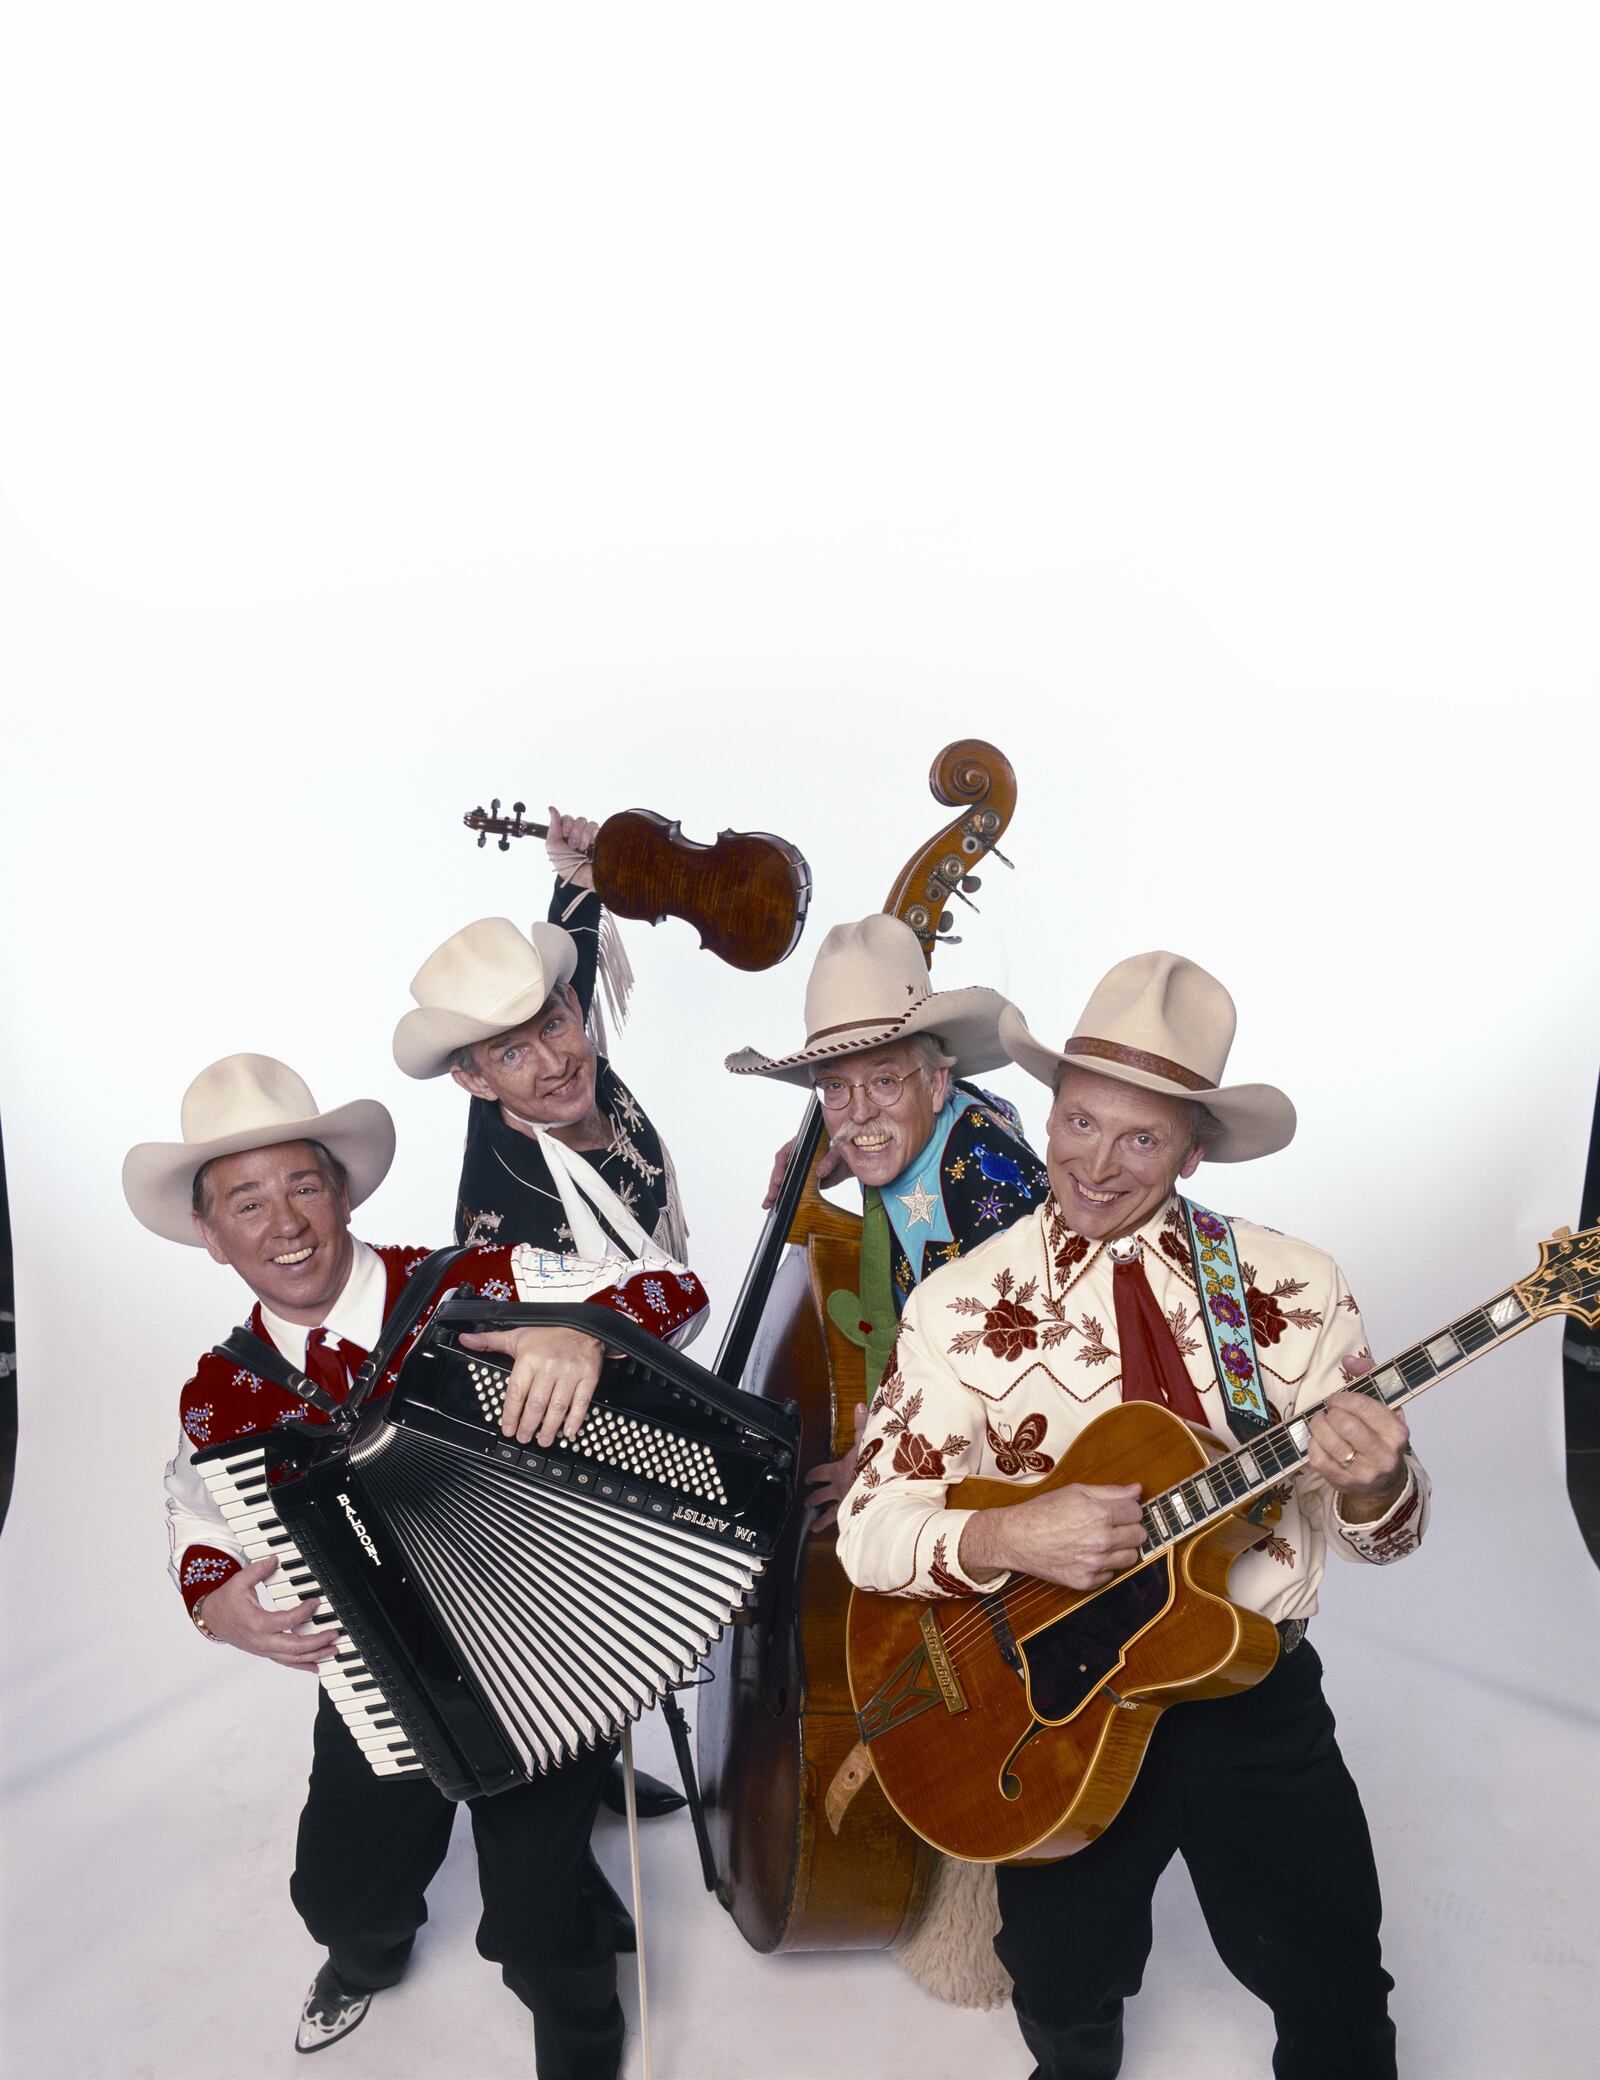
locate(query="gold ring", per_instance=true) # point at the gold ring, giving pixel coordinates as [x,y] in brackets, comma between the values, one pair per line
[1349,1459]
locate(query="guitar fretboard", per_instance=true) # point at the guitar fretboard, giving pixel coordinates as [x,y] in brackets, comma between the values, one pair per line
[1280,1453]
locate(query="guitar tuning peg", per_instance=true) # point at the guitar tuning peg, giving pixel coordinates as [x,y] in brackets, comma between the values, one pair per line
[1563,1235]
[971,883]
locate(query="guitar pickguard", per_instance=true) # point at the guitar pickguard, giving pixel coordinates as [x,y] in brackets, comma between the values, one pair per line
[1069,1660]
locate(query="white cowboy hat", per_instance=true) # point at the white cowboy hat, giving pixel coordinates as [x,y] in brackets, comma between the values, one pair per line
[1164,1024]
[250,1101]
[483,980]
[868,987]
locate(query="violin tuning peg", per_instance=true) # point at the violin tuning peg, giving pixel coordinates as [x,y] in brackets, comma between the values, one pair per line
[483,839]
[494,806]
[505,843]
[517,809]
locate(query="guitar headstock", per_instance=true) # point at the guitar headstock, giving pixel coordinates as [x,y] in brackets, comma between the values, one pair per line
[1568,1278]
[489,823]
[975,777]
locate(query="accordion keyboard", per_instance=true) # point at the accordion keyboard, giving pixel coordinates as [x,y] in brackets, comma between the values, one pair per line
[238,1483]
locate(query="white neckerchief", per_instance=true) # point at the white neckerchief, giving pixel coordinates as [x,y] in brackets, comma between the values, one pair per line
[356,1314]
[577,1182]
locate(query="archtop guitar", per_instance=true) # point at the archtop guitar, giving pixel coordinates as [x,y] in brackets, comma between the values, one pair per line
[1010,1726]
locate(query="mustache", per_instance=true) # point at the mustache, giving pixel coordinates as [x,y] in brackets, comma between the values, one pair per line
[852,1134]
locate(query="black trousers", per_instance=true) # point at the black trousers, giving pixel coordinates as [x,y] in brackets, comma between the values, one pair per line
[368,1847]
[1253,1793]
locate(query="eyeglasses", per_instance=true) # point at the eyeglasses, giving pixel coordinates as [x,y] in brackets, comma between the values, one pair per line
[883,1088]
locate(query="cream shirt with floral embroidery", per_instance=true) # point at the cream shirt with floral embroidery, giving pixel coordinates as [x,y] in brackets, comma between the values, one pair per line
[1004,1356]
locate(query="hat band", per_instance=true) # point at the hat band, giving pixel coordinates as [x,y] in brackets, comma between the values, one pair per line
[885,1022]
[1136,1058]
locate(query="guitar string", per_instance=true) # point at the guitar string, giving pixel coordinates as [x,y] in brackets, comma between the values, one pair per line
[1037,1592]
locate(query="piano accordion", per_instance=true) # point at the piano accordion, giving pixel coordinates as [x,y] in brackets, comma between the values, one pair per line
[502,1607]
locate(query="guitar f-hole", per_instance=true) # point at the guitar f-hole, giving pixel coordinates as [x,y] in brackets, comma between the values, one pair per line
[1010,1782]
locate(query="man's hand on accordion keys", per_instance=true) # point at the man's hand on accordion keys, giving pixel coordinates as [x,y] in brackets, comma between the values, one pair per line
[551,1383]
[235,1615]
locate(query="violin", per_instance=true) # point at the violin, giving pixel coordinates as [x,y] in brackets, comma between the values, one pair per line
[746,895]
[775,1726]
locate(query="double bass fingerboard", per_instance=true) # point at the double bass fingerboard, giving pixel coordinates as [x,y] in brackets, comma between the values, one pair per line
[1280,1453]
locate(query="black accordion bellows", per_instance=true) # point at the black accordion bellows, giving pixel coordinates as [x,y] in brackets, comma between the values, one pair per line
[507,1606]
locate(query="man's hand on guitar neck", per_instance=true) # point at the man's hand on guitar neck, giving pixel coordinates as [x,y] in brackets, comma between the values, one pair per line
[1081,1536]
[1358,1446]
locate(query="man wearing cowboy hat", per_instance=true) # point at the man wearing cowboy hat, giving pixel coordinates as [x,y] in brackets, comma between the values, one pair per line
[942,1166]
[264,1181]
[559,1154]
[1117,1288]
[508,1016]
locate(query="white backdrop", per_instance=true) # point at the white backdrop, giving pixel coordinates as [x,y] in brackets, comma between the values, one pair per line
[717,410]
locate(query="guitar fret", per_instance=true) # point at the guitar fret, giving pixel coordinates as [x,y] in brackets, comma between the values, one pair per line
[1474,1330]
[1415,1367]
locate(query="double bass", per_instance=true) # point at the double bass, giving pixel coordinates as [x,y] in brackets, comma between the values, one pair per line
[777,1722]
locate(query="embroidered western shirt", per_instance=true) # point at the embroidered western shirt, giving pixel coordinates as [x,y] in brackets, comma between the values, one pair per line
[1004,1356]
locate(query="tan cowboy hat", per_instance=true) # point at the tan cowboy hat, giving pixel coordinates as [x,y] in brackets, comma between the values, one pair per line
[483,980]
[868,987]
[1164,1024]
[250,1101]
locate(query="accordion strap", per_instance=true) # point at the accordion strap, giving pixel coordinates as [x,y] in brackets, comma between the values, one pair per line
[245,1347]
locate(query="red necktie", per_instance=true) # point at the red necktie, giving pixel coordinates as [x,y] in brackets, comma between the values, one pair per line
[329,1362]
[1151,1367]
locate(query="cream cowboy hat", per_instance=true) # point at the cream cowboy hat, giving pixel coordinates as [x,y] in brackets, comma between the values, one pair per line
[483,980]
[250,1101]
[868,987]
[1164,1024]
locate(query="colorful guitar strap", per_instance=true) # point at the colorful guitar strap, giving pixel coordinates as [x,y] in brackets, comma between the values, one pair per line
[1226,1314]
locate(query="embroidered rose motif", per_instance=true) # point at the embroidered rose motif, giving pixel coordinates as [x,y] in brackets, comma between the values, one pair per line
[1236,1360]
[1009,1329]
[1210,1227]
[1266,1316]
[1226,1310]
[918,1458]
